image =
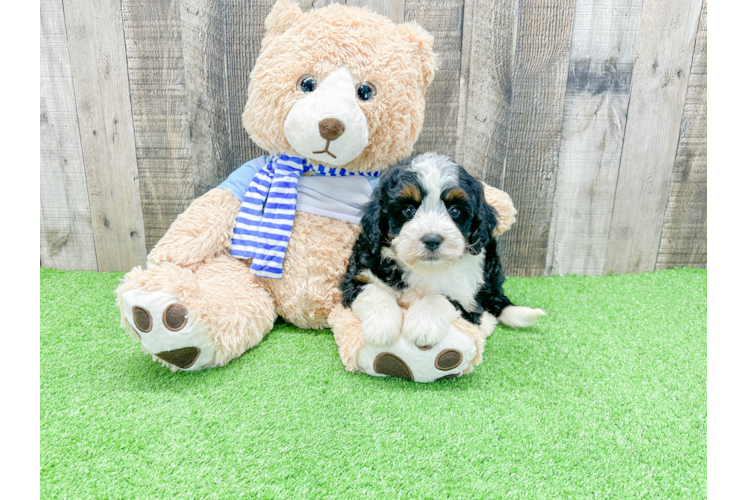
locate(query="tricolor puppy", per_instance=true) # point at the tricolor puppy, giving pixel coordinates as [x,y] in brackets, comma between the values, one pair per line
[426,240]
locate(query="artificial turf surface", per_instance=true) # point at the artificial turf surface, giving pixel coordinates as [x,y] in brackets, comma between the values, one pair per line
[603,398]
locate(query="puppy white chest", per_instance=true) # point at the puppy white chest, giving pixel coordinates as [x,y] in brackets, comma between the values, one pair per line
[460,282]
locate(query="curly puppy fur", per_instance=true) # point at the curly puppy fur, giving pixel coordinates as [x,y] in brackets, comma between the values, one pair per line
[428,239]
[406,188]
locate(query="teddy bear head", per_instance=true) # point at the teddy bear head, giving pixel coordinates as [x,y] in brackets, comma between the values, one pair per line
[340,86]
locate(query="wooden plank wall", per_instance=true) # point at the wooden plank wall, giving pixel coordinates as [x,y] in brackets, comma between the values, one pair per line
[591,114]
[67,239]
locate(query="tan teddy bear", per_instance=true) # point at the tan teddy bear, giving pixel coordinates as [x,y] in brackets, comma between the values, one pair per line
[335,97]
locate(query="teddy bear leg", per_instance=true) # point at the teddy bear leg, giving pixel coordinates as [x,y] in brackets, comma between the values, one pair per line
[456,354]
[195,318]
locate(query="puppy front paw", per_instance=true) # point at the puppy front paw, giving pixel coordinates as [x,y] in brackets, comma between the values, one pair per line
[380,315]
[382,328]
[520,317]
[427,320]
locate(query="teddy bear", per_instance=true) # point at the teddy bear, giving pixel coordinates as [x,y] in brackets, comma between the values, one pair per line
[335,97]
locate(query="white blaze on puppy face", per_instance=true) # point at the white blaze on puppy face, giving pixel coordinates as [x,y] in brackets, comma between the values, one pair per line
[435,173]
[335,98]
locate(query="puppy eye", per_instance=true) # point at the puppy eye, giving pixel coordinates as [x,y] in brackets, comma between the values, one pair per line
[454,212]
[409,211]
[306,84]
[366,91]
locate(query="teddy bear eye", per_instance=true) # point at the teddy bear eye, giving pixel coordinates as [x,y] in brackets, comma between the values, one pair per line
[454,212]
[409,211]
[306,84]
[366,91]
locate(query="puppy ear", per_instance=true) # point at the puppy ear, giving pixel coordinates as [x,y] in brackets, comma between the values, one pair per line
[373,225]
[484,222]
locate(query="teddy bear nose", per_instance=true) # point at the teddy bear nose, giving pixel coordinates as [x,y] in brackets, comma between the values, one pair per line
[331,128]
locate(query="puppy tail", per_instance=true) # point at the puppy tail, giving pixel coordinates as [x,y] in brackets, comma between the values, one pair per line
[520,317]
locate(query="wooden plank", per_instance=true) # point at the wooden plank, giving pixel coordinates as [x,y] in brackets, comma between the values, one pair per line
[444,21]
[486,86]
[244,23]
[392,9]
[204,50]
[541,64]
[683,241]
[153,36]
[598,87]
[66,237]
[664,50]
[102,95]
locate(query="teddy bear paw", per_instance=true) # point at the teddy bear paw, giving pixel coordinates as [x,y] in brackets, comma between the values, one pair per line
[167,330]
[447,358]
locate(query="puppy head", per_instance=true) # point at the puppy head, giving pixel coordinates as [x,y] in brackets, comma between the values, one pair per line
[427,213]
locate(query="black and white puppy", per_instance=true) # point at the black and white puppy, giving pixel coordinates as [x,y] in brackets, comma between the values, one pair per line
[428,227]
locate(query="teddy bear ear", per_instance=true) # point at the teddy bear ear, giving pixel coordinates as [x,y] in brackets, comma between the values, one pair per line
[501,201]
[283,15]
[424,43]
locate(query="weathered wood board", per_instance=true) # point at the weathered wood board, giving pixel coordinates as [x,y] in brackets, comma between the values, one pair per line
[486,83]
[597,98]
[664,50]
[67,240]
[244,28]
[444,21]
[204,50]
[541,62]
[96,45]
[683,241]
[153,34]
[591,114]
[392,9]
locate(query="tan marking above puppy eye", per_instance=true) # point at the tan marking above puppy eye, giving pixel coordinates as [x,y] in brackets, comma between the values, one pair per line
[410,192]
[455,194]
[362,279]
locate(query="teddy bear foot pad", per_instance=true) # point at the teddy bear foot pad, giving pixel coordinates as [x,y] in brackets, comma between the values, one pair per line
[166,329]
[447,358]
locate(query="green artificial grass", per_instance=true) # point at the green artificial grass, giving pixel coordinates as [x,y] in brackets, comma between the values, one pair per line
[603,398]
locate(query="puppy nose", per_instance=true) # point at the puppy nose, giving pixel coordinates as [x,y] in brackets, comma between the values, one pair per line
[331,128]
[432,241]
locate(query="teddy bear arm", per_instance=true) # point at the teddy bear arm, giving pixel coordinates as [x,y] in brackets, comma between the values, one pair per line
[501,201]
[202,231]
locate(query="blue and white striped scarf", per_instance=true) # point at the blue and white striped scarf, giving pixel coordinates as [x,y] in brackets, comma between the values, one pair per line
[266,216]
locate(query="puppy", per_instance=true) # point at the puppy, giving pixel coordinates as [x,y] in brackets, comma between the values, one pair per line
[426,242]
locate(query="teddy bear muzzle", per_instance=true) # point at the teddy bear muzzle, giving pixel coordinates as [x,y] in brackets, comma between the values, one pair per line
[327,125]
